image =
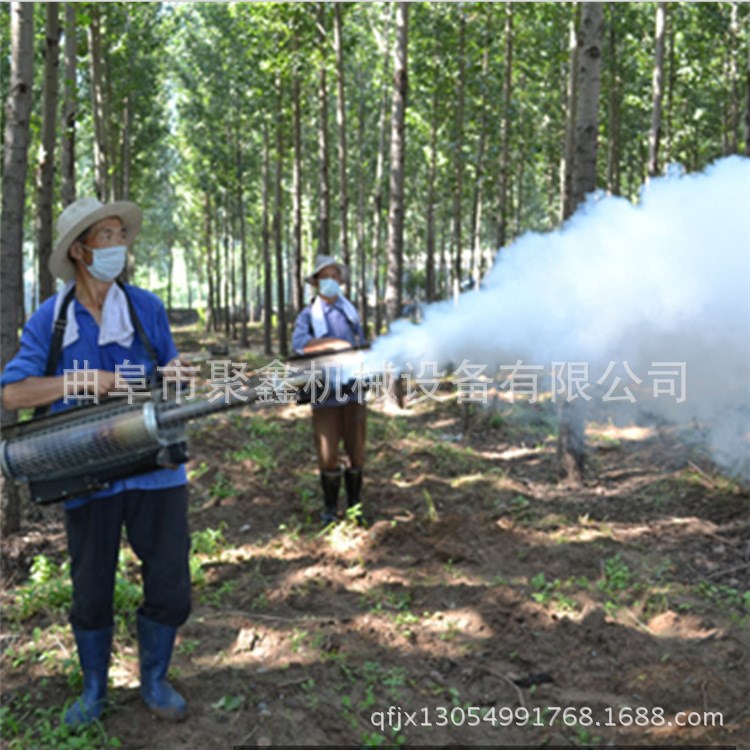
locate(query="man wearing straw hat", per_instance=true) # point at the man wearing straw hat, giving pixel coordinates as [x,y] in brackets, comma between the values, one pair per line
[329,324]
[88,330]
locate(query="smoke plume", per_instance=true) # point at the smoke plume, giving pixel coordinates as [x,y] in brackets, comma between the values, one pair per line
[663,281]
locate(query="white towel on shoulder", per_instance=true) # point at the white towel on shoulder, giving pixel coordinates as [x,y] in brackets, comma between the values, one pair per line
[318,315]
[116,326]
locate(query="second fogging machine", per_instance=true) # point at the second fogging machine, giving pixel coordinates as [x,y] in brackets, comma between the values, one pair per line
[81,450]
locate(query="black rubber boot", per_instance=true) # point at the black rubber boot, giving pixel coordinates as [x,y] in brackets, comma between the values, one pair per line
[94,647]
[155,644]
[353,484]
[330,481]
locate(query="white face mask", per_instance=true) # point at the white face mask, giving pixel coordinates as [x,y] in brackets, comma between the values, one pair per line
[329,288]
[108,262]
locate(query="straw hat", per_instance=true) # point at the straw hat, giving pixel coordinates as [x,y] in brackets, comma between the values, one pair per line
[81,215]
[323,261]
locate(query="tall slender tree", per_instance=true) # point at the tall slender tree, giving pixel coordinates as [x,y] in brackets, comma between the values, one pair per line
[324,188]
[266,245]
[587,105]
[377,190]
[479,169]
[98,97]
[457,234]
[733,114]
[15,166]
[567,204]
[341,125]
[747,100]
[502,231]
[297,286]
[46,167]
[613,140]
[571,437]
[654,136]
[430,286]
[70,109]
[394,288]
[278,208]
[208,234]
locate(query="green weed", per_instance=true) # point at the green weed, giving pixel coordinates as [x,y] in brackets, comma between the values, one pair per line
[228,703]
[25,728]
[221,488]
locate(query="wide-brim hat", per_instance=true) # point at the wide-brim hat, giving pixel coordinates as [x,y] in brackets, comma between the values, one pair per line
[323,261]
[81,215]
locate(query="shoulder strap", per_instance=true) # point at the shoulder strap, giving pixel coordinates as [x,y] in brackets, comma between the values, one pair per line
[56,344]
[352,325]
[141,331]
[59,331]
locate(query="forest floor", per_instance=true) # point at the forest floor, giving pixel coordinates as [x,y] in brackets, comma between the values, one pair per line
[481,583]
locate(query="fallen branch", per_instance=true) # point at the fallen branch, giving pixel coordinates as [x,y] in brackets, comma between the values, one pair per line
[725,571]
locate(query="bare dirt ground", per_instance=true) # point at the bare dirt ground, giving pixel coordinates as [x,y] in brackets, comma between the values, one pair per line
[481,582]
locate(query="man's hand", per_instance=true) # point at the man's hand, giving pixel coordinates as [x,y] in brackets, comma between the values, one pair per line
[180,369]
[319,346]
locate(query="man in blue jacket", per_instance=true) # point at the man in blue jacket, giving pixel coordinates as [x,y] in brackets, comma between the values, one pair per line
[329,324]
[108,326]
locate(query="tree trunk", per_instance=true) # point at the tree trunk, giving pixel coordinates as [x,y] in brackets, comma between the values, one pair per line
[571,440]
[70,109]
[297,284]
[377,196]
[430,275]
[101,155]
[127,122]
[227,269]
[170,272]
[733,119]
[324,207]
[211,315]
[613,150]
[459,156]
[566,173]
[360,250]
[233,253]
[46,168]
[341,124]
[654,136]
[519,189]
[395,246]
[444,269]
[747,104]
[671,78]
[266,240]
[587,106]
[243,244]
[277,213]
[502,225]
[125,157]
[15,165]
[476,202]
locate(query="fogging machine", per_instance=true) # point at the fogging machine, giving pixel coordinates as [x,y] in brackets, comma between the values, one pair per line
[81,450]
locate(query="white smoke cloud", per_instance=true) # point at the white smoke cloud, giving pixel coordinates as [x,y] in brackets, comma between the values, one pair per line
[667,280]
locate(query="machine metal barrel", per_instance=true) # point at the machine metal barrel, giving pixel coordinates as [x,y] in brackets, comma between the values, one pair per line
[81,450]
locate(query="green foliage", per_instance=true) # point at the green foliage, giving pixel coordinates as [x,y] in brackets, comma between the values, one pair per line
[209,542]
[48,590]
[23,727]
[206,546]
[228,703]
[222,487]
[191,86]
[262,455]
[617,576]
[554,592]
[723,596]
